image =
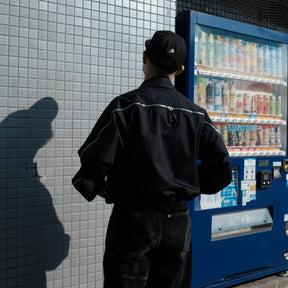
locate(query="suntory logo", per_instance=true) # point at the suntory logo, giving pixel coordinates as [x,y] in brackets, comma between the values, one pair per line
[242,128]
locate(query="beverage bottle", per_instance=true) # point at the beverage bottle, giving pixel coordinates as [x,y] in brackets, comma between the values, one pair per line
[273,61]
[210,50]
[252,134]
[272,110]
[239,102]
[202,48]
[232,54]
[272,136]
[266,135]
[277,136]
[232,98]
[259,135]
[279,61]
[267,64]
[253,57]
[266,104]
[209,96]
[224,133]
[247,103]
[247,57]
[253,98]
[225,52]
[245,137]
[225,97]
[240,56]
[259,104]
[201,95]
[260,59]
[217,96]
[217,51]
[278,105]
[239,136]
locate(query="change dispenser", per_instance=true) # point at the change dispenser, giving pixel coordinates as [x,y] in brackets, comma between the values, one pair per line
[238,73]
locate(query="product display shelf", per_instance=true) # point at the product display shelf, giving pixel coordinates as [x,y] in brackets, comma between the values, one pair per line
[233,75]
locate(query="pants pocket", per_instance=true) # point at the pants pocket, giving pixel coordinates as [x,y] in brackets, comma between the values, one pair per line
[180,227]
[130,234]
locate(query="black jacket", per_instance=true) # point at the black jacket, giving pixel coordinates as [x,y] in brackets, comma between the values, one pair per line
[154,147]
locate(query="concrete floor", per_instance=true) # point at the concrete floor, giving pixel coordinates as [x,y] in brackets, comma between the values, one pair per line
[274,281]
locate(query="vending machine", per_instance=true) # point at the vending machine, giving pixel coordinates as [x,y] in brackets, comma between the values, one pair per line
[238,73]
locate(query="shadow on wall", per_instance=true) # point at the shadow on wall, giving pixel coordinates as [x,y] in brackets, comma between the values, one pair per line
[32,239]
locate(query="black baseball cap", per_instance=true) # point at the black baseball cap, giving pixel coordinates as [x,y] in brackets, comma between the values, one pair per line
[166,50]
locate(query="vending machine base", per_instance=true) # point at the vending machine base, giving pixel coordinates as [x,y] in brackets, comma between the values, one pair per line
[240,246]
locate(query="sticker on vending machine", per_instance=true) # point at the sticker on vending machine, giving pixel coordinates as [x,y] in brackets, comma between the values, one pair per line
[250,169]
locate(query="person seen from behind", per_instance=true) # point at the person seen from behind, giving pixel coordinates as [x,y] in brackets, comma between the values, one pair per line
[151,151]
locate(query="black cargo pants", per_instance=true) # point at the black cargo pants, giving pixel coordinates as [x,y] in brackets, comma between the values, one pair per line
[148,249]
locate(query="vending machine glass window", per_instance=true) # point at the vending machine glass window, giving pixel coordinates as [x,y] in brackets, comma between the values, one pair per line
[242,83]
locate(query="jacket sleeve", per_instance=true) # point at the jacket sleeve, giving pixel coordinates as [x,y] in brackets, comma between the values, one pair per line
[214,170]
[97,155]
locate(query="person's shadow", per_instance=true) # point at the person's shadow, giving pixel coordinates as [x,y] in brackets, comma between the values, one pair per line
[32,239]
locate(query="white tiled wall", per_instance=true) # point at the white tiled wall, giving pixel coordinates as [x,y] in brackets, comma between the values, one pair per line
[61,62]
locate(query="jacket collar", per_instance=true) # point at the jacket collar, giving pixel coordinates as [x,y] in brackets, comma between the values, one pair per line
[163,82]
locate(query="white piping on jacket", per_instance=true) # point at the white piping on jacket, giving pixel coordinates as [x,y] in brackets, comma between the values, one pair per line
[145,106]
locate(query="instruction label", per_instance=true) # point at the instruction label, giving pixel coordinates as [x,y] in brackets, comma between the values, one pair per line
[248,185]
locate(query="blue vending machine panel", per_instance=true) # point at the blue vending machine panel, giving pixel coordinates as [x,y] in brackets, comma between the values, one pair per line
[238,73]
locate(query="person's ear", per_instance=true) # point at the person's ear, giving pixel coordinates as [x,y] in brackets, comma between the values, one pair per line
[144,57]
[180,70]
